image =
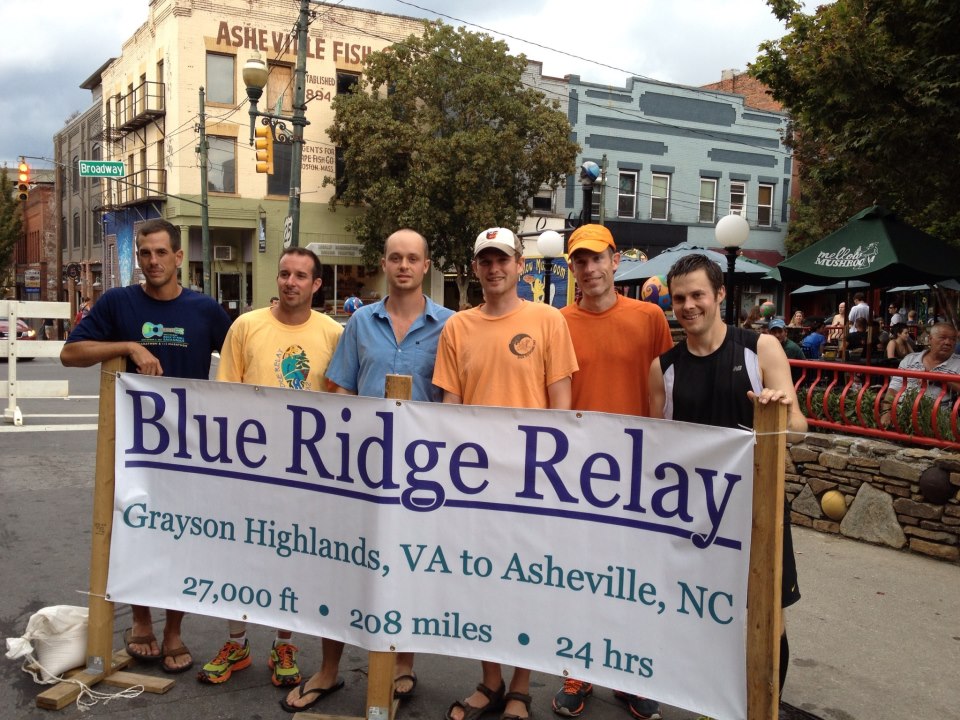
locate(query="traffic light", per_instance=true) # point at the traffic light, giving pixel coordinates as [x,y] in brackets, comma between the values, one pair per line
[264,145]
[23,181]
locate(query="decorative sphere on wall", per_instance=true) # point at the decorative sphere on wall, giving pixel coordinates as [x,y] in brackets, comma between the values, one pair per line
[834,505]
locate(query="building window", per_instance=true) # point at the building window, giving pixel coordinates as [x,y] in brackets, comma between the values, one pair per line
[708,200]
[627,195]
[659,197]
[96,154]
[738,198]
[765,205]
[75,176]
[97,233]
[222,165]
[280,87]
[279,182]
[75,241]
[542,201]
[221,78]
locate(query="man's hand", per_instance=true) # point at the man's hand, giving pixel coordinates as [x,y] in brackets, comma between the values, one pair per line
[146,361]
[771,395]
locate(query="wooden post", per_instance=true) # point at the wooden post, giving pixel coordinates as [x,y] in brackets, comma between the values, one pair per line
[100,630]
[381,705]
[102,664]
[764,619]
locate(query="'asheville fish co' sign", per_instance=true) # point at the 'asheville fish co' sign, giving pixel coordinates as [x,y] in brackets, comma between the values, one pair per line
[610,547]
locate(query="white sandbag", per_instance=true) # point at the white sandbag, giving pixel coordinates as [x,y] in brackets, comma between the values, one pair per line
[56,637]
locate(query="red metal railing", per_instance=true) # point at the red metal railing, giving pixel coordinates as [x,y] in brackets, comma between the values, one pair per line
[856,398]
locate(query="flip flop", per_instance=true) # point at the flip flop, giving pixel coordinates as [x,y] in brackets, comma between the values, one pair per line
[172,653]
[320,693]
[412,677]
[472,712]
[130,639]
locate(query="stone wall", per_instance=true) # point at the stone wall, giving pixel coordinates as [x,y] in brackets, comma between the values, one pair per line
[888,494]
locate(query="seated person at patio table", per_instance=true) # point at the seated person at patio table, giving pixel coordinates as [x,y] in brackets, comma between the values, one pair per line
[938,358]
[857,337]
[900,344]
[812,344]
[797,320]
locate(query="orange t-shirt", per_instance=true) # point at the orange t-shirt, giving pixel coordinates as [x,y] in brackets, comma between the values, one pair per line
[505,361]
[614,351]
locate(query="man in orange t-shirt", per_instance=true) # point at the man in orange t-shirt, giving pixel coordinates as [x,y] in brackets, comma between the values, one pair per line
[507,352]
[615,338]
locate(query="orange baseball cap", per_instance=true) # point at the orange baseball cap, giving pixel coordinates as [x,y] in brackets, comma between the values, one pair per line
[595,238]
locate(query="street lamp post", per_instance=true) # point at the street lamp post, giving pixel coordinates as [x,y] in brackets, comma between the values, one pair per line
[589,174]
[255,73]
[550,244]
[731,233]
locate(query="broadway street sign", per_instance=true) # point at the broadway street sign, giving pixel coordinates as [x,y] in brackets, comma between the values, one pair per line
[101,168]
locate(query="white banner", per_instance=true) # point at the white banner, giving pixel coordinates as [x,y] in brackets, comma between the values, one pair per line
[609,547]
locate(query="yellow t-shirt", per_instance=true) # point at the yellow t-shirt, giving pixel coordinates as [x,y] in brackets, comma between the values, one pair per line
[505,361]
[261,350]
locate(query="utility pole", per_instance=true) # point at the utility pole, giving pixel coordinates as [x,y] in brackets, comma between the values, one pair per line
[204,207]
[299,120]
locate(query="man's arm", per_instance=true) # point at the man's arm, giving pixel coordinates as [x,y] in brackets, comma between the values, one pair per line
[341,390]
[777,382]
[656,390]
[85,353]
[451,399]
[559,394]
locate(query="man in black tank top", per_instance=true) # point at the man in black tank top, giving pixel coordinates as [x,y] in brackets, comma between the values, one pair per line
[713,376]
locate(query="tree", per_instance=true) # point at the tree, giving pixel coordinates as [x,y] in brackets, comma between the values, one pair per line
[10,226]
[873,90]
[440,135]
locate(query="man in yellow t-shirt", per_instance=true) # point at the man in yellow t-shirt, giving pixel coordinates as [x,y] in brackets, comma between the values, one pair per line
[615,338]
[286,345]
[507,353]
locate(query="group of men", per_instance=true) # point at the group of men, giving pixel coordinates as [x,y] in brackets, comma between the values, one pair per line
[606,353]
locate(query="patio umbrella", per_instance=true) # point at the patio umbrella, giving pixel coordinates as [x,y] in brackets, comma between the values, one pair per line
[806,289]
[661,264]
[875,246]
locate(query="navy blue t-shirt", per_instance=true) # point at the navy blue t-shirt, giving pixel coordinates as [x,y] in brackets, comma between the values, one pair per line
[181,332]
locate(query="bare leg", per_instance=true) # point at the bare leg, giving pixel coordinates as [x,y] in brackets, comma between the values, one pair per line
[520,683]
[172,639]
[404,667]
[143,626]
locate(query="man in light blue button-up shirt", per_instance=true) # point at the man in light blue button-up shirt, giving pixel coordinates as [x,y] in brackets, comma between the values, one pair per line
[396,336]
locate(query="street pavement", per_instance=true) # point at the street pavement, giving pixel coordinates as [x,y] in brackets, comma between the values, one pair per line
[875,637]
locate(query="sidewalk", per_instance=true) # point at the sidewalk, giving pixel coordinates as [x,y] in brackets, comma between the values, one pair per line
[875,637]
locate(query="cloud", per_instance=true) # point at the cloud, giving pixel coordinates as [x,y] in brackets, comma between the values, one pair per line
[56,46]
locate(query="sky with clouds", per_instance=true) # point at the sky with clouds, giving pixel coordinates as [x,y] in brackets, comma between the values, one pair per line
[50,48]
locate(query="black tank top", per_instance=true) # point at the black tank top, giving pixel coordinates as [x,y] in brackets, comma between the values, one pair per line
[712,390]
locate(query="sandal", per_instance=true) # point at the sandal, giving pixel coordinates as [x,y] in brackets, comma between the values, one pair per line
[472,712]
[412,678]
[130,639]
[520,697]
[172,653]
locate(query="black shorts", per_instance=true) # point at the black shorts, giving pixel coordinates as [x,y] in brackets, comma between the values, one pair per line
[789,587]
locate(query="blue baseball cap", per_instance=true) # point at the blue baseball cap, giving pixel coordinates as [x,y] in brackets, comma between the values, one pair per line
[776,323]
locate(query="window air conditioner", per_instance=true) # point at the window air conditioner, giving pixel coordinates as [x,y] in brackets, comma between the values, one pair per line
[222,252]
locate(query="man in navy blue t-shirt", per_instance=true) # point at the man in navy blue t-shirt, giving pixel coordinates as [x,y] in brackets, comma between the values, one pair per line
[162,329]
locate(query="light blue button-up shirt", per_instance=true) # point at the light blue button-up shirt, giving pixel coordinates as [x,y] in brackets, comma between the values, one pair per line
[368,351]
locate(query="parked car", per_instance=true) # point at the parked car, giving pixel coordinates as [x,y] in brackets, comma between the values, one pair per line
[24,332]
